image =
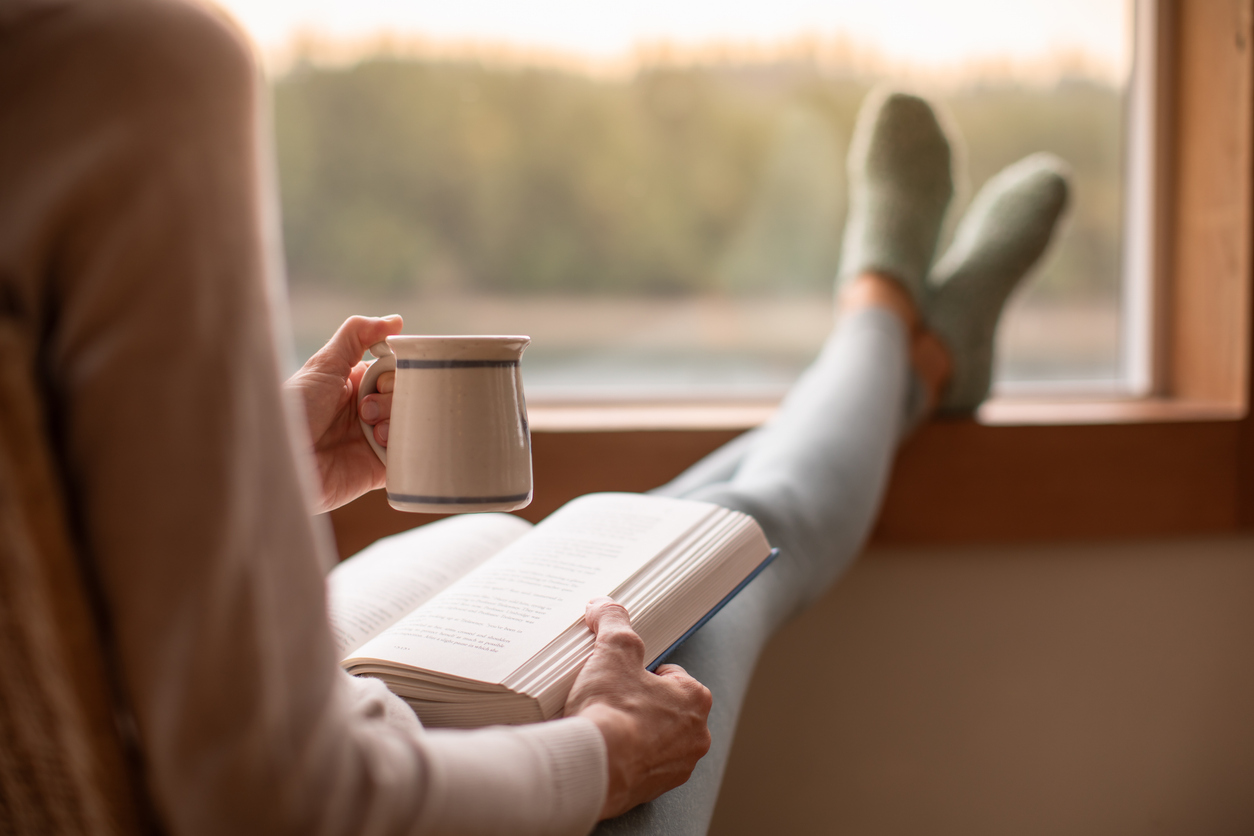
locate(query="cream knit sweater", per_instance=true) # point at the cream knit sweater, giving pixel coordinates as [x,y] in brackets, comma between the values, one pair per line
[139,259]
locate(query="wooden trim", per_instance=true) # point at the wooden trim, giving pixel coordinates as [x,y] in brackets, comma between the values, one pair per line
[1244,459]
[1166,67]
[1245,465]
[593,417]
[962,482]
[1001,412]
[1245,443]
[1026,412]
[1208,301]
[954,482]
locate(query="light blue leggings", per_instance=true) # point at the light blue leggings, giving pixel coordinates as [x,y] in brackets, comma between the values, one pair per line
[813,478]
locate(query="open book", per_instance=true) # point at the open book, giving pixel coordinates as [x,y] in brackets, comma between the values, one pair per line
[478,619]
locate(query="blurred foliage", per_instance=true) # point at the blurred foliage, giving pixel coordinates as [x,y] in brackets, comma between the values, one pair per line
[407,174]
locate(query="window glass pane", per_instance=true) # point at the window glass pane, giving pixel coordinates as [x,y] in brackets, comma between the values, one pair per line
[656,194]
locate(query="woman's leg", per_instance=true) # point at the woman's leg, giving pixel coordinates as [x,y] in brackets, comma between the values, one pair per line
[814,476]
[719,466]
[813,479]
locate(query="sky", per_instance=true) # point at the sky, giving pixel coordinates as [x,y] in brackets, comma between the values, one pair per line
[921,33]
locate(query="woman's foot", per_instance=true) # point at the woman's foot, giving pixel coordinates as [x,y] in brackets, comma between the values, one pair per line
[900,185]
[1002,235]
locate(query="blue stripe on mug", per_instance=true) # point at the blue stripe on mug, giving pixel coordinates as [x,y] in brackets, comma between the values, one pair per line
[455,364]
[456,500]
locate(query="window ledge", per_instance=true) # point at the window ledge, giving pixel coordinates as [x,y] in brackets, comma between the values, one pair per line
[1030,412]
[1024,472]
[595,416]
[743,415]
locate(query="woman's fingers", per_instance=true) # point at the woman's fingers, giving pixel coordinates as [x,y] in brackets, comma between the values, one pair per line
[672,670]
[375,408]
[609,622]
[654,726]
[345,348]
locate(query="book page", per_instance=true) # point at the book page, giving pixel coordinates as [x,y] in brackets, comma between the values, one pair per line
[377,586]
[497,617]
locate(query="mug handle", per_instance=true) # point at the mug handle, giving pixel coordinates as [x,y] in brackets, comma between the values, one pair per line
[369,386]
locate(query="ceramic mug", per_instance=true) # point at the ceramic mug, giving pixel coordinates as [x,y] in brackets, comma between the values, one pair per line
[458,439]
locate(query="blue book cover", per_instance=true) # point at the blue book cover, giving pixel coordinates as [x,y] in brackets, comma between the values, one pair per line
[661,659]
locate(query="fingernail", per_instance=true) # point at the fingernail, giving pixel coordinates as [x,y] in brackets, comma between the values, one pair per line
[381,430]
[369,410]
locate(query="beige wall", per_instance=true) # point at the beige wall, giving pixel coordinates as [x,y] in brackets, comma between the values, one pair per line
[1080,690]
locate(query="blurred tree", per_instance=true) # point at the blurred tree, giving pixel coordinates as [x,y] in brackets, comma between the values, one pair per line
[791,233]
[408,174]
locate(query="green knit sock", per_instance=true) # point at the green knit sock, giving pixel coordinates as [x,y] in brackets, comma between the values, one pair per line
[899,187]
[1002,235]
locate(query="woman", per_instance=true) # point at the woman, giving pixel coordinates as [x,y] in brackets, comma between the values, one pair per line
[139,258]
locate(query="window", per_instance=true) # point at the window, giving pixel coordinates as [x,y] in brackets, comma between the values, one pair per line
[656,196]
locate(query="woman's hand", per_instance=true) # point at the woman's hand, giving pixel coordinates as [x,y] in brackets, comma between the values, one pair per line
[654,724]
[327,388]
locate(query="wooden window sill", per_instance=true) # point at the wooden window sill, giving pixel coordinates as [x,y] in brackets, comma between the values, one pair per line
[1022,472]
[744,415]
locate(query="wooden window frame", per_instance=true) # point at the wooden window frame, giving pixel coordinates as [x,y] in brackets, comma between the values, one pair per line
[1178,462]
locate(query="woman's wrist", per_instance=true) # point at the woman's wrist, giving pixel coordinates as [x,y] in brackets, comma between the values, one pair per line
[618,731]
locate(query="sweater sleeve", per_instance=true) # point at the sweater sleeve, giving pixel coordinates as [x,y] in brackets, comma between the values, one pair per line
[133,243]
[539,779]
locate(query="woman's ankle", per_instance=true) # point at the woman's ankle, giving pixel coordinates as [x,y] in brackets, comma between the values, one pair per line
[929,358]
[932,364]
[876,290]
